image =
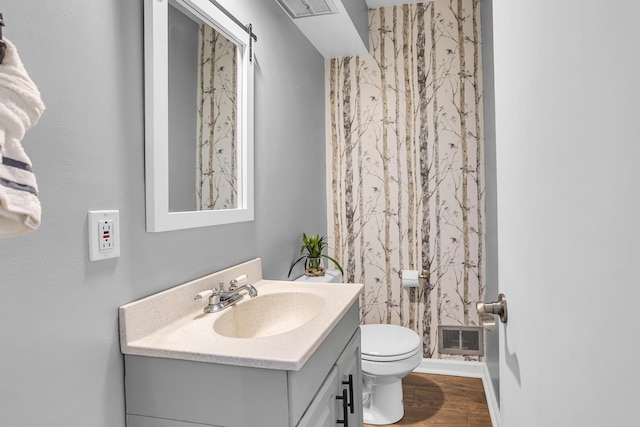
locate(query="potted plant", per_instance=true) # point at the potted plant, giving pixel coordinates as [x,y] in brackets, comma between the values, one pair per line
[312,248]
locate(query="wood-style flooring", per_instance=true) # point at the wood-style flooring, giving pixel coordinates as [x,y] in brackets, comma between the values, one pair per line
[442,400]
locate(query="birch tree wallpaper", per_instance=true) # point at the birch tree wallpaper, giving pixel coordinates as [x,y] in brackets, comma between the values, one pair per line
[216,121]
[405,152]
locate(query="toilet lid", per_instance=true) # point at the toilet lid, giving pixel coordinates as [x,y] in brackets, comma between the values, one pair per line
[388,342]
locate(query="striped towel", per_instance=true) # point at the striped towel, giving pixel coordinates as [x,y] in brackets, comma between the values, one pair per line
[20,108]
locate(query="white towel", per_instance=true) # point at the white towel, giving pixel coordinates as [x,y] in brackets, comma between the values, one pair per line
[20,108]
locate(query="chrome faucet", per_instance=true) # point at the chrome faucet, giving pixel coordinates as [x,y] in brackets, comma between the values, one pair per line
[219,299]
[231,293]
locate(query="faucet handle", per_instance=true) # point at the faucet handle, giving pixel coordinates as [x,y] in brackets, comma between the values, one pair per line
[204,294]
[238,280]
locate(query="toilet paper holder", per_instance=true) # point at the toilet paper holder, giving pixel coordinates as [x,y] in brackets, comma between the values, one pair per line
[413,278]
[486,310]
[424,275]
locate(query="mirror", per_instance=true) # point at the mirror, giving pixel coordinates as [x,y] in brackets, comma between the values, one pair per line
[198,116]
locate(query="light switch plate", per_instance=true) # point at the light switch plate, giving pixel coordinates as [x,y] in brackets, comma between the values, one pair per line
[104,234]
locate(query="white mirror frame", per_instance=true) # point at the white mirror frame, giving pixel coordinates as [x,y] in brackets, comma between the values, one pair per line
[156,47]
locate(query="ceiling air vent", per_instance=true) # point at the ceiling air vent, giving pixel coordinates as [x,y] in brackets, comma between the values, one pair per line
[304,8]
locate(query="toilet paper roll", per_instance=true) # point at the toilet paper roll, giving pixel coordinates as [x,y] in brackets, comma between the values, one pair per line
[409,279]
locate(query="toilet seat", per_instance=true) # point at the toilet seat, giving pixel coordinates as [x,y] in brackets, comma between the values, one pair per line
[388,343]
[393,358]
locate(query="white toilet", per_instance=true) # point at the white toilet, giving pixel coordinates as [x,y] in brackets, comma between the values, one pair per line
[389,353]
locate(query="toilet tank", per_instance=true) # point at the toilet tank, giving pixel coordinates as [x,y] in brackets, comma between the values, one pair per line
[330,276]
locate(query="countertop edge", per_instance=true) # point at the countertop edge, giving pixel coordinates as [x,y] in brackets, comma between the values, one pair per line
[295,363]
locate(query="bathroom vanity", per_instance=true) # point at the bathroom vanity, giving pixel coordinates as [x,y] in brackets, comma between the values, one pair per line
[296,366]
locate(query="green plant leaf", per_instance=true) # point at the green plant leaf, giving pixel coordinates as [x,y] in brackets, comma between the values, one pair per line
[337,264]
[294,264]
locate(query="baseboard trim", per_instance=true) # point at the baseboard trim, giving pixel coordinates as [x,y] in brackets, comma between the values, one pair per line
[461,368]
[492,401]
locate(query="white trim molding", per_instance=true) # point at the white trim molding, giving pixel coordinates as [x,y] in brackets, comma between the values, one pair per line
[461,368]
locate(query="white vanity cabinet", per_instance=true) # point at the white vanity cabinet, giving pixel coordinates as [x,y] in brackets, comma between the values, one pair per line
[350,378]
[339,400]
[322,411]
[166,392]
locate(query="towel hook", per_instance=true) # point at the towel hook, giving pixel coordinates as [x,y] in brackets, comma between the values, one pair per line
[3,45]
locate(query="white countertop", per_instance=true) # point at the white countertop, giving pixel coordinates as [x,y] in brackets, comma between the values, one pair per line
[171,325]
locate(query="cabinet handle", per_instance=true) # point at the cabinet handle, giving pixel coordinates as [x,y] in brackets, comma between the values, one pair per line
[345,409]
[350,384]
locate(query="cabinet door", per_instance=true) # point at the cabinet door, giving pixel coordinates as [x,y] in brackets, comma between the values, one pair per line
[322,410]
[350,378]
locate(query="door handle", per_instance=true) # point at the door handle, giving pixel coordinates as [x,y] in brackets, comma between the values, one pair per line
[345,409]
[350,384]
[486,310]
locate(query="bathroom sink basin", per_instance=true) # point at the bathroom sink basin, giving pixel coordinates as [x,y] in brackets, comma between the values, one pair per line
[279,329]
[269,314]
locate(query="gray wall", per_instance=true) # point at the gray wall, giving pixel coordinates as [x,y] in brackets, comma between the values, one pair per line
[60,363]
[491,232]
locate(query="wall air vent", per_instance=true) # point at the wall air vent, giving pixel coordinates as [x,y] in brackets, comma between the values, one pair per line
[305,8]
[461,340]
